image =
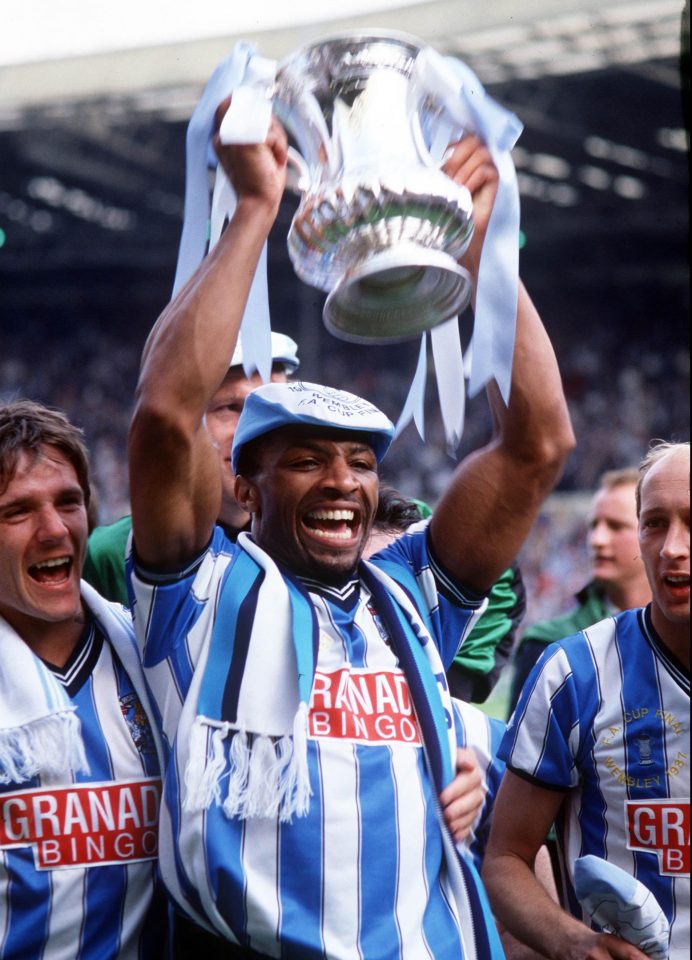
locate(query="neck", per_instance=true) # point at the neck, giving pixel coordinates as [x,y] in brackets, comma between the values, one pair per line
[53,642]
[627,596]
[332,572]
[675,635]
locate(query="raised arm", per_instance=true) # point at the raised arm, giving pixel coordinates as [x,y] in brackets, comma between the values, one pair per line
[493,499]
[175,482]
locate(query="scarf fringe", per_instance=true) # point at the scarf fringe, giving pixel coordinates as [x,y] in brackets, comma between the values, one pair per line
[202,773]
[49,746]
[240,771]
[267,776]
[303,791]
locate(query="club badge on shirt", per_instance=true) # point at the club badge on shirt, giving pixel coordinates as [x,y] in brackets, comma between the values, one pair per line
[137,723]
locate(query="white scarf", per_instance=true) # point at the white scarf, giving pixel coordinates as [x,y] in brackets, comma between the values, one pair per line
[258,677]
[39,729]
[40,732]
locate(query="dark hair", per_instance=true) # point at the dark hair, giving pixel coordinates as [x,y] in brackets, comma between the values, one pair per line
[249,459]
[395,512]
[26,427]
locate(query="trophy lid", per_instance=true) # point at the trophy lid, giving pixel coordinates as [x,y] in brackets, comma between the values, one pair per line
[348,55]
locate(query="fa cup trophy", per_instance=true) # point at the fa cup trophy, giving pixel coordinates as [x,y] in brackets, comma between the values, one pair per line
[379,227]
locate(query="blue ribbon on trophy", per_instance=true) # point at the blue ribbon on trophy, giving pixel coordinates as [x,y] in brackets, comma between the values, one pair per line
[491,348]
[204,216]
[467,108]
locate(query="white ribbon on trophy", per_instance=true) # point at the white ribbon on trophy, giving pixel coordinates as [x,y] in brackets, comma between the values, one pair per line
[492,343]
[250,78]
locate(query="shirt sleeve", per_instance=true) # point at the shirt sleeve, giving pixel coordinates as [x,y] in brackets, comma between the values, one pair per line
[493,637]
[169,609]
[451,609]
[544,737]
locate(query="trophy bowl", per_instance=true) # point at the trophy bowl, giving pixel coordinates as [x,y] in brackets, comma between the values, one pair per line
[379,226]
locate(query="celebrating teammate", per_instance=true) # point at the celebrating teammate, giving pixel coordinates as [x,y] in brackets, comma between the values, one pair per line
[79,774]
[301,691]
[600,740]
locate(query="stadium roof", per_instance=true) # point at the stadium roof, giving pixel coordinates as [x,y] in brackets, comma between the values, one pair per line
[92,150]
[78,49]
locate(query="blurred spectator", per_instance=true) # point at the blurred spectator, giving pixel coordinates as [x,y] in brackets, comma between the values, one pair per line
[618,579]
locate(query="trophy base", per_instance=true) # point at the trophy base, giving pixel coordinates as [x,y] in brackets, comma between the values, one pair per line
[396,295]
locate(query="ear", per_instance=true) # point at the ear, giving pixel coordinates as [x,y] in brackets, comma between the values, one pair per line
[247,494]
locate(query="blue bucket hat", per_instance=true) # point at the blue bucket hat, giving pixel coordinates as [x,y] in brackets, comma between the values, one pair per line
[277,405]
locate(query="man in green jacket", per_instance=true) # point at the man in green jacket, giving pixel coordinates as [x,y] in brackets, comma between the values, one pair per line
[618,579]
[486,651]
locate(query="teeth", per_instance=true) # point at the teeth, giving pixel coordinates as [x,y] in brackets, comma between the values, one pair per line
[678,579]
[332,534]
[58,562]
[332,515]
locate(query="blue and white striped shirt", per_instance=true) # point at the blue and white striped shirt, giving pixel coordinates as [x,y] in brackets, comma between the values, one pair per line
[605,716]
[483,735]
[363,874]
[78,860]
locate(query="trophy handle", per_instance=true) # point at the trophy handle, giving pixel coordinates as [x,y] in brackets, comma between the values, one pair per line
[433,125]
[298,175]
[298,110]
[439,115]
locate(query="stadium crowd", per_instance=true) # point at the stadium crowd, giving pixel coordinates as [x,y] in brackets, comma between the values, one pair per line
[613,418]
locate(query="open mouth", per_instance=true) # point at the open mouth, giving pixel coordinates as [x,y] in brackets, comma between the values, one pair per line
[333,525]
[52,572]
[677,583]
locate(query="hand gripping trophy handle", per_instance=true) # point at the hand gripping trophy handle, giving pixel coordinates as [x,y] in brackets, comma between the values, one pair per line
[379,227]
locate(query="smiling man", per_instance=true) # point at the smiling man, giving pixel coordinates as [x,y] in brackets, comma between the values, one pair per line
[282,480]
[302,691]
[600,742]
[74,735]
